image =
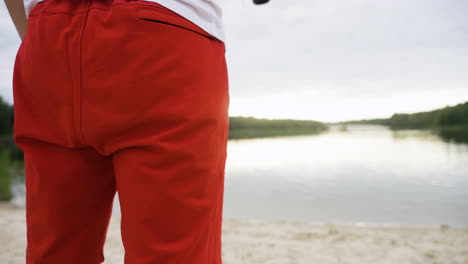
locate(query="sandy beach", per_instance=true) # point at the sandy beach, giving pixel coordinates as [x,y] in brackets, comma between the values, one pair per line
[257,242]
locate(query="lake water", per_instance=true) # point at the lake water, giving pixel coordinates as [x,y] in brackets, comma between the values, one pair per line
[369,175]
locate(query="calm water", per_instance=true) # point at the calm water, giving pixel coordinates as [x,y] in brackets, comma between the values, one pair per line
[367,175]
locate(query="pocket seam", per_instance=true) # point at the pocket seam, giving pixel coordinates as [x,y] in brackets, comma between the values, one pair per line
[140,9]
[175,25]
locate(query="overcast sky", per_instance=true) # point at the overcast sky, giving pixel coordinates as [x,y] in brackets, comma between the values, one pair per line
[331,60]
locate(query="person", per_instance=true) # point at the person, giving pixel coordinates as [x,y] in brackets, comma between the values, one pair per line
[128,97]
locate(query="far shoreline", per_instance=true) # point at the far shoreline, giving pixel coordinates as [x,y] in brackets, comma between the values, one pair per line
[390,225]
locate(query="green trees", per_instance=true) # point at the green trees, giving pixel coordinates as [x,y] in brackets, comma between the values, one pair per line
[455,115]
[450,122]
[447,116]
[249,127]
[6,132]
[6,118]
[6,140]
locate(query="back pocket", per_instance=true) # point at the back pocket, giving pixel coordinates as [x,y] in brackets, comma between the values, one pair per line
[156,13]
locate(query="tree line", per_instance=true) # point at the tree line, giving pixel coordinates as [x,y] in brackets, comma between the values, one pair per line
[7,149]
[448,116]
[6,118]
[250,127]
[6,132]
[450,122]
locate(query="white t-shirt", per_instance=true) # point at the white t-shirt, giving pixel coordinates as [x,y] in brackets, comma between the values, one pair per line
[206,14]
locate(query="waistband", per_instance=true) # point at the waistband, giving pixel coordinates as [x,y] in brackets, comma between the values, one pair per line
[73,7]
[76,7]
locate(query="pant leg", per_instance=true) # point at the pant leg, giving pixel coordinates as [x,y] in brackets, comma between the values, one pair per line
[69,186]
[171,194]
[156,98]
[69,195]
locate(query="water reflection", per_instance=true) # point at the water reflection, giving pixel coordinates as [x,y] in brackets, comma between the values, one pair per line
[458,134]
[364,174]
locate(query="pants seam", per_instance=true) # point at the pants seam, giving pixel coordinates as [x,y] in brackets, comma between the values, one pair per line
[80,78]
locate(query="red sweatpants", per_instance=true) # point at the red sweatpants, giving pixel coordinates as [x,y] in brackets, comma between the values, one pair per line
[126,96]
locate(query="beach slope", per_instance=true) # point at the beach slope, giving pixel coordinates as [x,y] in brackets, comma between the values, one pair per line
[257,242]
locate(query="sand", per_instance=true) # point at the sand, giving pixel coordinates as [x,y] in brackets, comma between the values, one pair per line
[257,242]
